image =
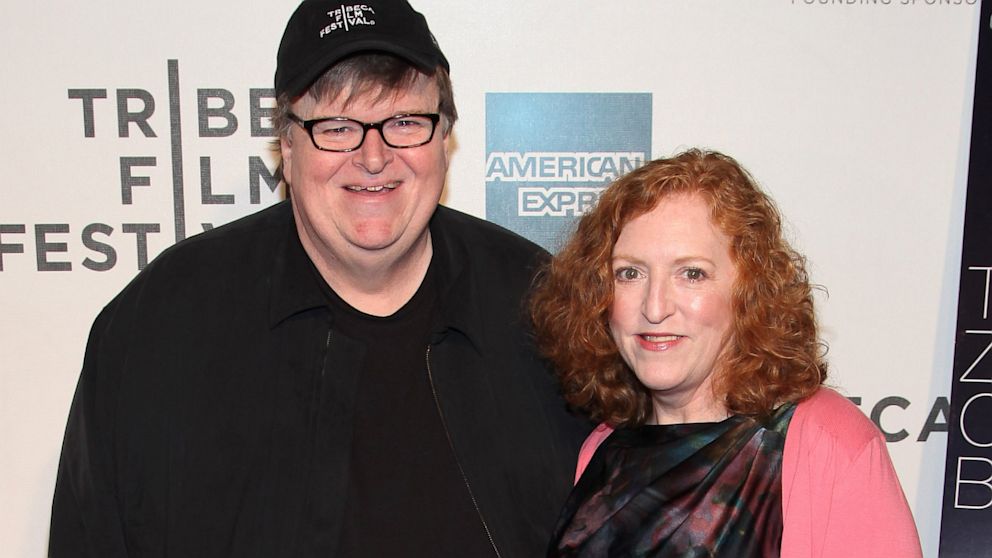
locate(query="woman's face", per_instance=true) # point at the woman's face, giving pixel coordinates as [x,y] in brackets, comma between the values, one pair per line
[671,315]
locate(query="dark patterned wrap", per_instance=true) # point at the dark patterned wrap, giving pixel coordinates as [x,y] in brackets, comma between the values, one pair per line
[707,489]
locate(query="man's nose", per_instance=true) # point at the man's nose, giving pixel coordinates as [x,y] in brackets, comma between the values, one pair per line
[374,154]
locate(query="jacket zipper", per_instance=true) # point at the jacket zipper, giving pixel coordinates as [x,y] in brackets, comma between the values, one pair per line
[461,470]
[327,347]
[318,385]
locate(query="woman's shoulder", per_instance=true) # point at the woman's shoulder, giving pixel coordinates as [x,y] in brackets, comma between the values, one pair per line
[829,418]
[837,480]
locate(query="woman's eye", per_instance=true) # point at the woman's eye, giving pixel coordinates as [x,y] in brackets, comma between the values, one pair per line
[695,274]
[627,274]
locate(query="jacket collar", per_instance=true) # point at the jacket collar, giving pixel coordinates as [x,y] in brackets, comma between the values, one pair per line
[295,287]
[459,289]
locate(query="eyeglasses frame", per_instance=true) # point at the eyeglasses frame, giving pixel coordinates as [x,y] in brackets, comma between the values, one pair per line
[308,125]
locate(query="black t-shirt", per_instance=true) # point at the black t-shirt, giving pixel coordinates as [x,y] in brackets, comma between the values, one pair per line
[406,494]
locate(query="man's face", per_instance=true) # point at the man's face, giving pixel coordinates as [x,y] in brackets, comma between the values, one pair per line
[371,203]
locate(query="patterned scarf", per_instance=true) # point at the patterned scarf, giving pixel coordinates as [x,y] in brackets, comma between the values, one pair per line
[685,490]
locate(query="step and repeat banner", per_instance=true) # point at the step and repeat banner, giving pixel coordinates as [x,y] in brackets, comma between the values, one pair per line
[967,510]
[131,126]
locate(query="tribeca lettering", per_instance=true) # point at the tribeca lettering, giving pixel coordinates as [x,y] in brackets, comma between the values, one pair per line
[347,17]
[100,243]
[973,475]
[941,407]
[50,243]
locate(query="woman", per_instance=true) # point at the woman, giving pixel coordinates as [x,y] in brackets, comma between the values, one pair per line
[679,317]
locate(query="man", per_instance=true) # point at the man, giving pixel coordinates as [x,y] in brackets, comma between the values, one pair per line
[347,373]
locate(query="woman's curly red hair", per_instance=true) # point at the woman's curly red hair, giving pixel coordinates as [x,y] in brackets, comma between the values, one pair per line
[774,356]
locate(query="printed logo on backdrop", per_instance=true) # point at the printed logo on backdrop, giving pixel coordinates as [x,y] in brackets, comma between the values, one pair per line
[967,508]
[549,155]
[97,245]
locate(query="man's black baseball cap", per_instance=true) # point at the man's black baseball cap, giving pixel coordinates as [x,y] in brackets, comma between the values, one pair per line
[320,33]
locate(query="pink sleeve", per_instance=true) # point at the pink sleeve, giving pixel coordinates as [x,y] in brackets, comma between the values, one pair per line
[840,493]
[592,442]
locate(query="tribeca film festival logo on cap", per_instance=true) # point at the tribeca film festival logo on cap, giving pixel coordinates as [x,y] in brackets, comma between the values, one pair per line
[347,17]
[550,155]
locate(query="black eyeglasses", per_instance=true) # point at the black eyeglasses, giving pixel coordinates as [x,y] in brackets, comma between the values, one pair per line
[345,134]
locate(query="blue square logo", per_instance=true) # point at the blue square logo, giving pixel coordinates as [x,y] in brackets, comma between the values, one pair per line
[549,155]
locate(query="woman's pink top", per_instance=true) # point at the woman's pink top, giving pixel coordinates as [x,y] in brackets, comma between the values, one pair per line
[840,493]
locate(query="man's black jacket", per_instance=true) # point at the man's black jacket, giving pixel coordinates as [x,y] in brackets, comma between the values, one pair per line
[213,413]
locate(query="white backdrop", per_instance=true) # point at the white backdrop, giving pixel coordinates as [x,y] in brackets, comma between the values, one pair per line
[854,114]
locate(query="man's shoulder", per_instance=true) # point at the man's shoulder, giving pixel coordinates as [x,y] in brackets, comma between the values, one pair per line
[241,234]
[236,244]
[483,236]
[239,249]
